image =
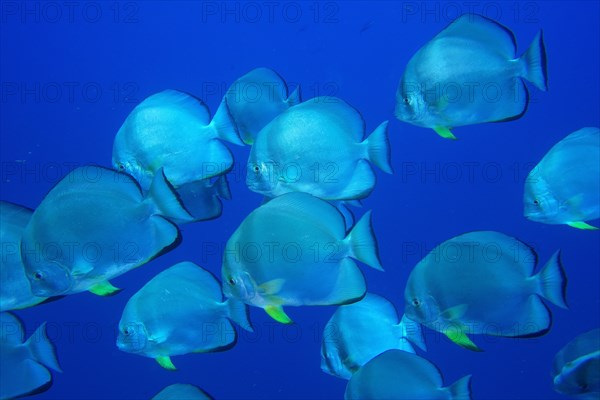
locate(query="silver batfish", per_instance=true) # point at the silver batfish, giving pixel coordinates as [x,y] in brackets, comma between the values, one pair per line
[256,98]
[397,374]
[15,291]
[469,74]
[173,130]
[483,283]
[180,311]
[318,147]
[95,225]
[564,188]
[359,331]
[576,367]
[294,251]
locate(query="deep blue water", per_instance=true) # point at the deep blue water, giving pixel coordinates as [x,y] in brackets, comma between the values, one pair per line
[72,71]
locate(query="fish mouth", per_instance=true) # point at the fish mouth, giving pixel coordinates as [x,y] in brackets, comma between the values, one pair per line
[411,314]
[257,187]
[42,292]
[534,216]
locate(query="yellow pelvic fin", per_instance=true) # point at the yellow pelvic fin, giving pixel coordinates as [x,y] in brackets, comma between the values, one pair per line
[277,313]
[582,225]
[165,362]
[457,335]
[444,132]
[104,289]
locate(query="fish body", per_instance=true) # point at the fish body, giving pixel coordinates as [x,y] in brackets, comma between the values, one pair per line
[576,367]
[294,251]
[564,187]
[469,74]
[179,311]
[318,147]
[483,282]
[173,130]
[95,225]
[397,374]
[256,98]
[359,331]
[15,291]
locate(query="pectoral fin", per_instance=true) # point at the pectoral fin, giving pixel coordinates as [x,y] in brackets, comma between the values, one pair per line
[575,201]
[277,313]
[271,287]
[81,269]
[444,132]
[104,289]
[454,313]
[165,362]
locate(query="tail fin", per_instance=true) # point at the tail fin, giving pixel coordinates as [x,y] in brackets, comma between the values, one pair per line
[378,146]
[363,243]
[295,97]
[238,312]
[225,126]
[536,68]
[221,186]
[461,389]
[411,330]
[165,199]
[41,349]
[553,281]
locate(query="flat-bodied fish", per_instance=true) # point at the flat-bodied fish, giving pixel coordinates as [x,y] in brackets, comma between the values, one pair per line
[180,311]
[15,291]
[564,188]
[576,368]
[483,283]
[24,365]
[95,225]
[173,130]
[397,374]
[359,331]
[182,391]
[318,147]
[256,98]
[294,251]
[469,74]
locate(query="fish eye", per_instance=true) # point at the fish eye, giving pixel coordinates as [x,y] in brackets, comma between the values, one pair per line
[128,331]
[231,281]
[121,167]
[536,202]
[256,169]
[406,100]
[416,302]
[38,275]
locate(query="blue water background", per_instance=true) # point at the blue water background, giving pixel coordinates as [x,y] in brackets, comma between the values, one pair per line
[70,75]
